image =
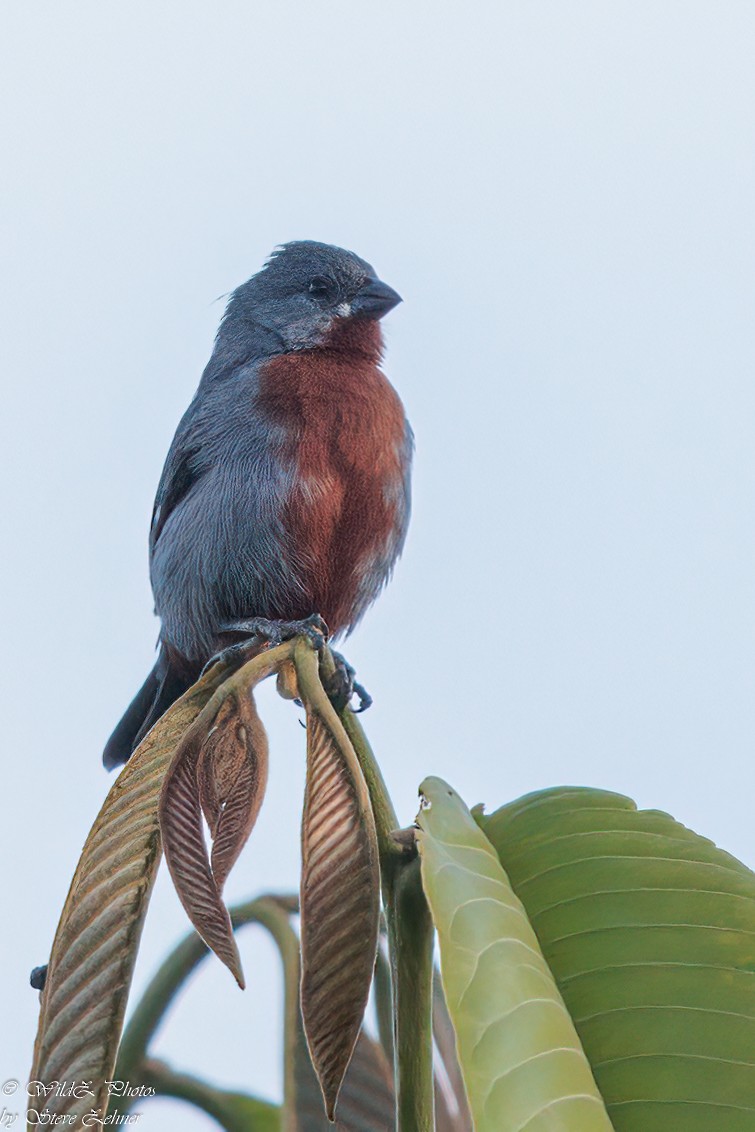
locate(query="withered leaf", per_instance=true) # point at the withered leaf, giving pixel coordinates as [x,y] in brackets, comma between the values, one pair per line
[89,974]
[339,900]
[366,1102]
[186,851]
[233,773]
[208,776]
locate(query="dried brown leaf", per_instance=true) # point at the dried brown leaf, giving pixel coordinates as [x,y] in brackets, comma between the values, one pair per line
[186,851]
[237,762]
[221,758]
[339,900]
[208,776]
[92,960]
[366,1102]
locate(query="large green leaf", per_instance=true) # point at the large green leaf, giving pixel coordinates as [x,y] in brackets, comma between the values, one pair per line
[649,930]
[523,1065]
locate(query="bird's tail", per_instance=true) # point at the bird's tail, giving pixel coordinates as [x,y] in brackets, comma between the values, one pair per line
[162,687]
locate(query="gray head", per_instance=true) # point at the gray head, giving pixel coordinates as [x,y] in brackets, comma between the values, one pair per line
[303,290]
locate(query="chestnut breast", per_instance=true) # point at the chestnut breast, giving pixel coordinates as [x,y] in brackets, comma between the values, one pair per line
[347,452]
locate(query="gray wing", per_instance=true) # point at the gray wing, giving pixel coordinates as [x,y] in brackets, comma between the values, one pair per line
[218,549]
[179,474]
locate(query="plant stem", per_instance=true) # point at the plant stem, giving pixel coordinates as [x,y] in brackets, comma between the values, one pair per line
[233,1111]
[384,1002]
[410,942]
[266,911]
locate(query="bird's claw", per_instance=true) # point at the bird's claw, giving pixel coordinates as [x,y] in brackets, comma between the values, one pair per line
[341,686]
[276,632]
[364,697]
[262,631]
[233,656]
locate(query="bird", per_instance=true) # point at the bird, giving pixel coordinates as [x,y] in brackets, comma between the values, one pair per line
[285,496]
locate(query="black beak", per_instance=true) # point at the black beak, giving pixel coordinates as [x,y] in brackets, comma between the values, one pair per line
[374,300]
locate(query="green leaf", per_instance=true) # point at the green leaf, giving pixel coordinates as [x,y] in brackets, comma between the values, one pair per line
[649,930]
[520,1055]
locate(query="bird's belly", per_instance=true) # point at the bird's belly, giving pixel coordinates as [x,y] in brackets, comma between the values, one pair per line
[345,530]
[345,512]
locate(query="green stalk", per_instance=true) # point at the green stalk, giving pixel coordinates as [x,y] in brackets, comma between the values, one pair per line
[384,1002]
[235,1112]
[133,1054]
[410,943]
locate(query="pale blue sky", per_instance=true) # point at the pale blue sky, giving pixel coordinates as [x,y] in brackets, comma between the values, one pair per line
[563,194]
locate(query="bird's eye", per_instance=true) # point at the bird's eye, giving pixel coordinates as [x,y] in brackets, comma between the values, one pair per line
[320,287]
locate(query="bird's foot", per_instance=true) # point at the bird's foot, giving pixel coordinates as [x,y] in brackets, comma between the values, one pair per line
[261,632]
[341,686]
[276,632]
